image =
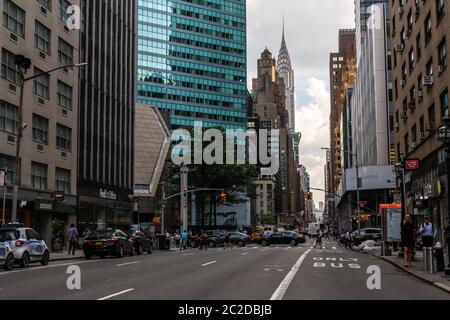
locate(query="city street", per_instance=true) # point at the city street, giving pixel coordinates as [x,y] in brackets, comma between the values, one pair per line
[250,273]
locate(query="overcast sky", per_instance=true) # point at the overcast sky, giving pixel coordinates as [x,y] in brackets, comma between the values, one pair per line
[312,28]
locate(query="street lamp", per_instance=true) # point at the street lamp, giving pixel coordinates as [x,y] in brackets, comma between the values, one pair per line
[357,185]
[443,135]
[24,64]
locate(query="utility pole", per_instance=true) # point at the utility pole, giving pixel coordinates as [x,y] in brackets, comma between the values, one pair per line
[183,197]
[4,194]
[358,212]
[163,206]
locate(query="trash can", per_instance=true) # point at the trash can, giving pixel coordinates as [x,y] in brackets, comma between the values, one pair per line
[439,254]
[161,241]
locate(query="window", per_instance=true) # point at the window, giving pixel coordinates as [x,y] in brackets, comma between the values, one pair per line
[31,235]
[9,68]
[9,117]
[444,103]
[428,28]
[62,182]
[65,53]
[431,114]
[430,67]
[63,6]
[13,18]
[442,52]
[40,129]
[406,142]
[11,163]
[42,84]
[440,9]
[418,47]
[411,60]
[46,3]
[64,95]
[414,133]
[420,82]
[42,37]
[63,137]
[404,72]
[422,124]
[39,176]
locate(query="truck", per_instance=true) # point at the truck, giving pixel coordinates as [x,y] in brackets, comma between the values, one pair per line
[312,228]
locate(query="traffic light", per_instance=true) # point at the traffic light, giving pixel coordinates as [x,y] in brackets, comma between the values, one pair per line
[223,197]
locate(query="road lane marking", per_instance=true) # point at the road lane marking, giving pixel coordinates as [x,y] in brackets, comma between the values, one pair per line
[127,264]
[244,254]
[207,264]
[334,248]
[288,248]
[188,254]
[77,262]
[115,294]
[284,285]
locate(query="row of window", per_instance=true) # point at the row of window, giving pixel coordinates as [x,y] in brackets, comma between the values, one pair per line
[39,175]
[14,20]
[183,123]
[9,122]
[228,6]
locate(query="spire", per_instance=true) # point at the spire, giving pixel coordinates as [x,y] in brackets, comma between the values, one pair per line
[283,28]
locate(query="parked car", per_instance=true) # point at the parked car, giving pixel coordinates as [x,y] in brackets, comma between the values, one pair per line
[238,238]
[108,242]
[26,244]
[283,237]
[6,256]
[142,242]
[366,234]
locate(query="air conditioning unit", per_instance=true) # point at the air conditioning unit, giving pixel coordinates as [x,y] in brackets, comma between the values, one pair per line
[422,136]
[408,33]
[393,33]
[397,125]
[420,93]
[417,11]
[13,37]
[404,115]
[402,83]
[401,10]
[441,68]
[413,145]
[399,47]
[412,104]
[42,55]
[428,81]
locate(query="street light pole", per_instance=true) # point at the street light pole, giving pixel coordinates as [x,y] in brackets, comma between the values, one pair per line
[24,64]
[358,212]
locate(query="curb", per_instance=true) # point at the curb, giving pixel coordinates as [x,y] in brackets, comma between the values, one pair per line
[433,283]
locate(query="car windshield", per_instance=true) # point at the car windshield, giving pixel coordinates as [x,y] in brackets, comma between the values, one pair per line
[102,234]
[9,235]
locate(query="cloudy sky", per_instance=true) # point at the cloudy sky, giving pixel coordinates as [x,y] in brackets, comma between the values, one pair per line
[312,28]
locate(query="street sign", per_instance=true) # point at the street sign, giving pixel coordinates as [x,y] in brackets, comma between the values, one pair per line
[331,197]
[412,164]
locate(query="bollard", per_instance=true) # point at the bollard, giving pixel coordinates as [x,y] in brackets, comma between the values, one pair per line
[425,258]
[383,248]
[430,260]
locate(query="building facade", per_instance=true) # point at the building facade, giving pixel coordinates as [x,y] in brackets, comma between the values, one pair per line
[106,115]
[192,61]
[48,153]
[421,80]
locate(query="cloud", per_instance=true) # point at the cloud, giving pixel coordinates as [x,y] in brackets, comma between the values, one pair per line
[311,29]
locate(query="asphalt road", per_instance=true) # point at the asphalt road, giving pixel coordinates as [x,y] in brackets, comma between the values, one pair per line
[251,273]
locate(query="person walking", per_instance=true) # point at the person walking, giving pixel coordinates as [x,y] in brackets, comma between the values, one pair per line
[177,238]
[226,241]
[428,233]
[348,239]
[407,236]
[318,239]
[168,238]
[184,237]
[72,238]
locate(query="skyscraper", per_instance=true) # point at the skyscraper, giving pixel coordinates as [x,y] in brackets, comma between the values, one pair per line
[192,60]
[286,72]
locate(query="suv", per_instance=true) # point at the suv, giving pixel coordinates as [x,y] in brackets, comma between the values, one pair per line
[26,244]
[6,256]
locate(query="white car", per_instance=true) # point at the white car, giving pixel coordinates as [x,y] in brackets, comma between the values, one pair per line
[26,244]
[6,256]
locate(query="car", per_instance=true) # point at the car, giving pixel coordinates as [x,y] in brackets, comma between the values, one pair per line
[6,256]
[142,242]
[366,234]
[215,238]
[283,237]
[238,238]
[108,242]
[26,244]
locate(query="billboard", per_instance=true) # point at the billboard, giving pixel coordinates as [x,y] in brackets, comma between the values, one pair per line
[371,178]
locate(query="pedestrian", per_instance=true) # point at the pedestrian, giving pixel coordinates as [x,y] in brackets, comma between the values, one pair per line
[318,239]
[226,241]
[184,237]
[407,235]
[189,240]
[204,240]
[72,238]
[168,238]
[177,238]
[348,239]
[428,233]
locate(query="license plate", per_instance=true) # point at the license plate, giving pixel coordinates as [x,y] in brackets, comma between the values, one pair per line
[99,244]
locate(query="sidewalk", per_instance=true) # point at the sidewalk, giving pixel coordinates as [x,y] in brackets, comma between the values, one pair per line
[61,256]
[416,270]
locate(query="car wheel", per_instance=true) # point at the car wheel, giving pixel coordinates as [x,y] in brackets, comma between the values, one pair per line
[264,243]
[293,243]
[120,252]
[241,244]
[45,258]
[88,256]
[9,264]
[25,261]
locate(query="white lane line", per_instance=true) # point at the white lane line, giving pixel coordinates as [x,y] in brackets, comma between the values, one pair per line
[127,264]
[334,248]
[188,254]
[207,264]
[76,262]
[277,247]
[288,248]
[115,295]
[284,285]
[244,254]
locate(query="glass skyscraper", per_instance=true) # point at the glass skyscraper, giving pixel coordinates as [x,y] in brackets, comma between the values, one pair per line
[192,60]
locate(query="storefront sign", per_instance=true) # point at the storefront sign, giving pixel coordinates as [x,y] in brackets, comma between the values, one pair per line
[105,194]
[44,206]
[412,164]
